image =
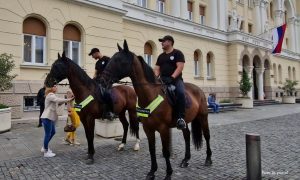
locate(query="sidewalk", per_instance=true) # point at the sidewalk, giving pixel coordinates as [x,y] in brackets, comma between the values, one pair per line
[25,139]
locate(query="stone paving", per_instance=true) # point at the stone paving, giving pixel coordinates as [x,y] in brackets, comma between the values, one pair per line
[280,136]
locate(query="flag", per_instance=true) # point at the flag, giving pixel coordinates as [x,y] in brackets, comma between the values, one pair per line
[278,35]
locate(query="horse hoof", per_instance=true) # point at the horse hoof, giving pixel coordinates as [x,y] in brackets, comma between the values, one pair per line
[150,177]
[89,161]
[208,162]
[168,177]
[136,147]
[121,147]
[184,164]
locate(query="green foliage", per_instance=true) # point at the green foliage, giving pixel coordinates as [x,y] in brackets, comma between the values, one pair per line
[6,66]
[245,84]
[289,87]
[2,106]
[225,101]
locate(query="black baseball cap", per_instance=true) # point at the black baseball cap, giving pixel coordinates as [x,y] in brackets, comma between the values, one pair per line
[93,51]
[167,37]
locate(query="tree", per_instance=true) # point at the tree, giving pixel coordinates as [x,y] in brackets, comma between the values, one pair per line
[289,87]
[6,66]
[245,84]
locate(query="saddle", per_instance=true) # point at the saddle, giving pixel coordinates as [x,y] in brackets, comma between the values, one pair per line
[169,91]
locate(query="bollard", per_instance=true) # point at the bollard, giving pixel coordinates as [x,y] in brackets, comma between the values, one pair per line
[253,157]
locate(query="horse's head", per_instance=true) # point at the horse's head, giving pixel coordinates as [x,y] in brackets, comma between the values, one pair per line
[119,66]
[58,71]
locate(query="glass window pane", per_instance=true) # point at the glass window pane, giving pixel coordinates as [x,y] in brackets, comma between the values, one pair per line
[27,48]
[39,49]
[66,48]
[75,52]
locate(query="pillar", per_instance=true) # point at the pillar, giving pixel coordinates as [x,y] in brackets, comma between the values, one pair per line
[175,9]
[249,70]
[292,35]
[279,17]
[257,17]
[213,13]
[223,14]
[260,82]
[183,9]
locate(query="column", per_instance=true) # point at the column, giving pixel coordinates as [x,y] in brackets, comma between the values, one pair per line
[264,18]
[249,70]
[260,82]
[184,10]
[292,35]
[196,12]
[278,17]
[257,17]
[213,13]
[223,14]
[297,24]
[175,8]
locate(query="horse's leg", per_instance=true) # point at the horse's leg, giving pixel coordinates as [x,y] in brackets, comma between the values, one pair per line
[187,157]
[205,129]
[125,124]
[151,141]
[165,135]
[134,127]
[89,128]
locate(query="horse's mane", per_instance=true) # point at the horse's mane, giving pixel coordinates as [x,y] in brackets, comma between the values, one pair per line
[83,77]
[148,71]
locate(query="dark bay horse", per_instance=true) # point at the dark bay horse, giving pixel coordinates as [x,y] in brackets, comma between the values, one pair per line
[126,64]
[83,86]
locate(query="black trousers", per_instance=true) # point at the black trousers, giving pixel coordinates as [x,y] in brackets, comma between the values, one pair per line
[42,107]
[180,100]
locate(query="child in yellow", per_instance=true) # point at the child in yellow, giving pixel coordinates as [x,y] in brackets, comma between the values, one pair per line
[74,118]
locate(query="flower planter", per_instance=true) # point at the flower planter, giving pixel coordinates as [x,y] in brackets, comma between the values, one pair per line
[108,129]
[289,99]
[5,119]
[246,102]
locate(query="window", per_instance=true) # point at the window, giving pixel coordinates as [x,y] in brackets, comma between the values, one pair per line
[161,6]
[285,17]
[271,10]
[250,28]
[229,20]
[294,74]
[142,3]
[250,3]
[275,73]
[287,42]
[30,103]
[34,47]
[279,74]
[71,44]
[148,53]
[202,15]
[208,63]
[290,73]
[190,10]
[197,72]
[242,26]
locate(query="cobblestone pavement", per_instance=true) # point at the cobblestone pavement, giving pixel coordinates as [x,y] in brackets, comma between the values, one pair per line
[279,144]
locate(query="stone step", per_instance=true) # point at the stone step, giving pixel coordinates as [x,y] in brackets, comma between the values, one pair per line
[265,102]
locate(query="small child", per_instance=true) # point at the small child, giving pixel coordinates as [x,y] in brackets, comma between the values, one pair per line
[73,116]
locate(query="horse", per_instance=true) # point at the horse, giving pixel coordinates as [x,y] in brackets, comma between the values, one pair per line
[126,64]
[83,86]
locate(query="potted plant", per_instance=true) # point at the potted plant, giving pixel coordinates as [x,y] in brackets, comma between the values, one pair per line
[289,91]
[245,87]
[6,66]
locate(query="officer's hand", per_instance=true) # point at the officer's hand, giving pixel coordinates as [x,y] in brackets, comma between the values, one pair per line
[168,80]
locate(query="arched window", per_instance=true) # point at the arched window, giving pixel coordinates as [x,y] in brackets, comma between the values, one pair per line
[148,53]
[294,74]
[197,55]
[290,73]
[209,66]
[72,42]
[275,73]
[34,31]
[280,74]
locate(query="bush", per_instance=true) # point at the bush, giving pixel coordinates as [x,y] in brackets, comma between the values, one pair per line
[289,87]
[6,66]
[2,106]
[245,84]
[225,101]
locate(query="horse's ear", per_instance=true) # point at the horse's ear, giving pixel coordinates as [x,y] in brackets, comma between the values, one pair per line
[119,47]
[64,54]
[58,56]
[125,46]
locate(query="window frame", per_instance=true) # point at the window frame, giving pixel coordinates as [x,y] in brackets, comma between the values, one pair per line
[159,8]
[142,3]
[35,106]
[33,50]
[148,59]
[70,51]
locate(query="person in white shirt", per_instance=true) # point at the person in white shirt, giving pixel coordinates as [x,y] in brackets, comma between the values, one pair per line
[49,117]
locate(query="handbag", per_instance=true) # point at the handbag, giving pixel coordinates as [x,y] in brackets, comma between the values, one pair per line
[69,126]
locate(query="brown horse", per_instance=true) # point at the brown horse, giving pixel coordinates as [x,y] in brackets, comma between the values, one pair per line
[83,86]
[126,64]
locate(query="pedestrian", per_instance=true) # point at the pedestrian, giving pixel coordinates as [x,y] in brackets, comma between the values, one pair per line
[102,61]
[50,116]
[41,103]
[169,67]
[74,119]
[212,102]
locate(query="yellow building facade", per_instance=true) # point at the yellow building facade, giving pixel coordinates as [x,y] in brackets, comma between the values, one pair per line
[219,38]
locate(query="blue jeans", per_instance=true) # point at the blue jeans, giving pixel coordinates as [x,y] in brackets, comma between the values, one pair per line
[215,107]
[49,127]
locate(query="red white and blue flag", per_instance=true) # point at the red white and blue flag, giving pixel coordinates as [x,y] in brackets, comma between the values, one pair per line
[278,35]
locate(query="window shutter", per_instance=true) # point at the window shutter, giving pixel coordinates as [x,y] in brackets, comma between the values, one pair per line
[71,33]
[34,26]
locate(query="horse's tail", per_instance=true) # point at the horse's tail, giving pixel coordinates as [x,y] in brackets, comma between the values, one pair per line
[133,123]
[197,131]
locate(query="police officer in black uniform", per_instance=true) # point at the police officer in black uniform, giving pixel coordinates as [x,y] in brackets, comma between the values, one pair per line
[169,67]
[101,63]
